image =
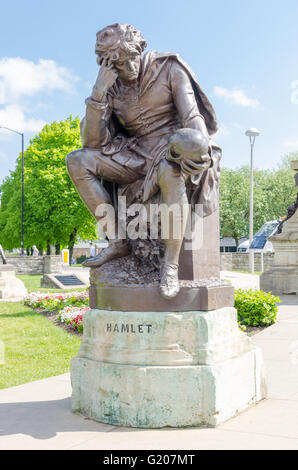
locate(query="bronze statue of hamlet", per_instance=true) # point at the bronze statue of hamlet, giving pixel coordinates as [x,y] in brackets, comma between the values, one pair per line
[147,129]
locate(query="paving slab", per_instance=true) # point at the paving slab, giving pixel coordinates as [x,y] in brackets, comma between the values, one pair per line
[282,378]
[194,439]
[277,418]
[241,280]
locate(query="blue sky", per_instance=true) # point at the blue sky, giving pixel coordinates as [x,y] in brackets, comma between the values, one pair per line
[243,53]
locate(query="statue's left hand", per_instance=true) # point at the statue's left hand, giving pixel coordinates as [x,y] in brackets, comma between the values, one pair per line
[190,167]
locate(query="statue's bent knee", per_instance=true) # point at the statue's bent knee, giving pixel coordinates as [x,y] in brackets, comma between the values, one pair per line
[77,162]
[74,160]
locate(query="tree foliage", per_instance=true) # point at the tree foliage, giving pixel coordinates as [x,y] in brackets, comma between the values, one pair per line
[274,192]
[54,213]
[53,210]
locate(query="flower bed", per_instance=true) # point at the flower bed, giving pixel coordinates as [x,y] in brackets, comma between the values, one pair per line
[68,306]
[73,316]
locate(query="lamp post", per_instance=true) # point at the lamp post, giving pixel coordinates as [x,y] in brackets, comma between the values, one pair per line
[252,134]
[22,203]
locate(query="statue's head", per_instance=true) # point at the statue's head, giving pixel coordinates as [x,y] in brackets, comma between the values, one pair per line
[123,45]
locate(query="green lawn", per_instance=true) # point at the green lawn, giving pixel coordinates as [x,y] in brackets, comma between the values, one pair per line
[32,283]
[34,347]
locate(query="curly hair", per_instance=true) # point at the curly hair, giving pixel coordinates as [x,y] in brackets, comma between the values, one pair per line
[118,37]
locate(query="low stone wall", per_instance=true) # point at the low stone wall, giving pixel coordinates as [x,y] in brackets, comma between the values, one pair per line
[27,264]
[35,264]
[77,252]
[240,261]
[48,264]
[52,264]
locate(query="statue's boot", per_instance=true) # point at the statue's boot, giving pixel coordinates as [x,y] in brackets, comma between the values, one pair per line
[116,249]
[169,282]
[173,189]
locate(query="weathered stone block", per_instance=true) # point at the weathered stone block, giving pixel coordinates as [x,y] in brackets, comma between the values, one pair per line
[146,369]
[282,277]
[10,286]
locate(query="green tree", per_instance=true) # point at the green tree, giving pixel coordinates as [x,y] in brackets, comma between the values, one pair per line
[53,211]
[234,202]
[274,191]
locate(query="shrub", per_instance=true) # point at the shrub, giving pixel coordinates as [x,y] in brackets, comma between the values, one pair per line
[256,308]
[81,259]
[242,327]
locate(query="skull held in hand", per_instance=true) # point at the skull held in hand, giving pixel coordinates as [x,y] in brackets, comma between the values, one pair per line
[190,149]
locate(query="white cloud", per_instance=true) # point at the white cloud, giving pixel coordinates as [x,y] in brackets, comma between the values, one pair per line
[23,78]
[291,144]
[20,81]
[13,116]
[236,96]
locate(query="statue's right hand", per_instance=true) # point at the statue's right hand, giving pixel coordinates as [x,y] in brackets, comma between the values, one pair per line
[106,78]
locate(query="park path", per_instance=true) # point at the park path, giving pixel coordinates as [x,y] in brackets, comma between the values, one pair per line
[38,415]
[241,280]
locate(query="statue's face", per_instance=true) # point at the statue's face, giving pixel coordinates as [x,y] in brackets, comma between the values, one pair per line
[128,67]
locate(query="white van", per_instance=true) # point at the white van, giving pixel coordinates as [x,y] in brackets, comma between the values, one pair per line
[260,242]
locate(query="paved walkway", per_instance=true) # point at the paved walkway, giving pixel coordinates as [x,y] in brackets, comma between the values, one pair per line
[241,280]
[38,415]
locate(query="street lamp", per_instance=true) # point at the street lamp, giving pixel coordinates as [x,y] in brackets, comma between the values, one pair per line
[252,134]
[22,216]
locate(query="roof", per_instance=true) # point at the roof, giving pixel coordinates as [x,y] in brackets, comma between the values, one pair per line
[228,241]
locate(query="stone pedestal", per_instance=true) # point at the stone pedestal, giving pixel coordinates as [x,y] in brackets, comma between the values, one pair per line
[52,264]
[150,370]
[282,277]
[11,288]
[200,258]
[149,362]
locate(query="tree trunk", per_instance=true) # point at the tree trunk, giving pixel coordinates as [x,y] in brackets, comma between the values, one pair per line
[236,240]
[72,240]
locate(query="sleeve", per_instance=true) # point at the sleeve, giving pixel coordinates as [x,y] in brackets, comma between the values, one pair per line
[185,100]
[95,125]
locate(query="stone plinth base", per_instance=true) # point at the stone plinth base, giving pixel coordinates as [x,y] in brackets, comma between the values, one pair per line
[10,286]
[192,296]
[282,277]
[280,280]
[150,369]
[124,284]
[52,264]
